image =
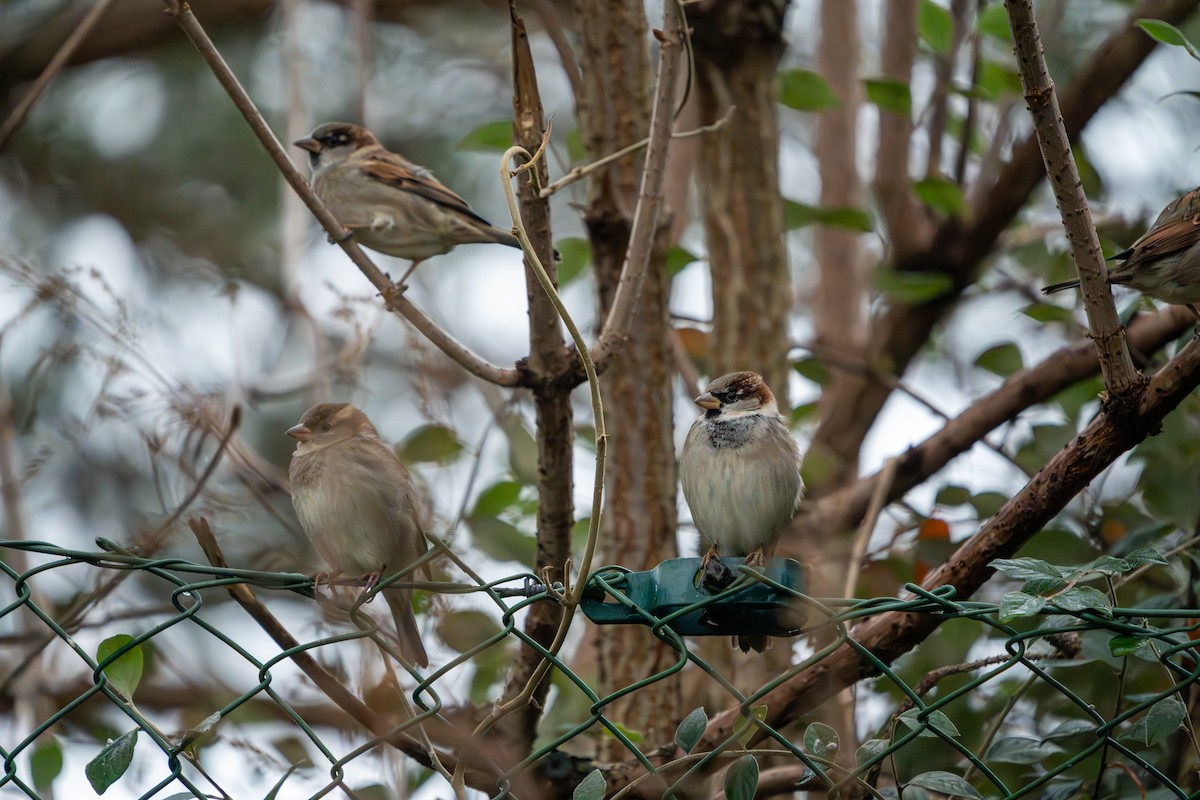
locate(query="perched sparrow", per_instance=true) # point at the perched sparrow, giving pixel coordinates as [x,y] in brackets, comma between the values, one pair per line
[358,505]
[740,470]
[1165,262]
[391,204]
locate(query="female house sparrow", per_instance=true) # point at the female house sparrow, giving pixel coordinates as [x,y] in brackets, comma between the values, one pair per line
[1165,262]
[358,505]
[391,204]
[740,470]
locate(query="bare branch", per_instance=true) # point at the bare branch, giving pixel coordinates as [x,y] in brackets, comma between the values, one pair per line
[1107,333]
[53,67]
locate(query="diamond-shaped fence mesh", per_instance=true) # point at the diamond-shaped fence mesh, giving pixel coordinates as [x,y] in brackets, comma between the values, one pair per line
[1057,703]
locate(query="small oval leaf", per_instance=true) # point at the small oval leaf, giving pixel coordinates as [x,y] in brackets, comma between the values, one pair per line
[107,768]
[741,781]
[691,729]
[124,673]
[945,782]
[592,787]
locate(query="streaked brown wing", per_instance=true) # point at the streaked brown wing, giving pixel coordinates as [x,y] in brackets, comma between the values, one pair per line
[394,171]
[1170,237]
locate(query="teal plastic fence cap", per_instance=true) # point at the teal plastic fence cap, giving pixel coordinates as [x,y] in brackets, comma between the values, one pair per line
[670,590]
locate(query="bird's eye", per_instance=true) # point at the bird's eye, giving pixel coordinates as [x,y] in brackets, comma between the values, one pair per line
[326,427]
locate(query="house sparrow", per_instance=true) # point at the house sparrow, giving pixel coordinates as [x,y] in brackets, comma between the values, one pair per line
[358,505]
[1165,262]
[391,204]
[740,470]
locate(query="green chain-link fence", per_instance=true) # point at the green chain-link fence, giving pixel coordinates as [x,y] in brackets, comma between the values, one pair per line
[1067,698]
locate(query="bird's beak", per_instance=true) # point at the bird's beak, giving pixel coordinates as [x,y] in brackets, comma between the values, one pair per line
[706,400]
[301,433]
[308,143]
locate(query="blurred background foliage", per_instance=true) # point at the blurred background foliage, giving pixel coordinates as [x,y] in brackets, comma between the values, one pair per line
[156,273]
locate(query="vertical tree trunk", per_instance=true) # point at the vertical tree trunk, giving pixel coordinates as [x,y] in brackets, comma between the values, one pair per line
[737,50]
[555,425]
[640,514]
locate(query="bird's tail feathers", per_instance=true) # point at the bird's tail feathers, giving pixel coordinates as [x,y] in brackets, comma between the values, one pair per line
[1058,287]
[406,627]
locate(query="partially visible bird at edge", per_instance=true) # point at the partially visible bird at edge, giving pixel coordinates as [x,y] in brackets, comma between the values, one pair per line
[1165,262]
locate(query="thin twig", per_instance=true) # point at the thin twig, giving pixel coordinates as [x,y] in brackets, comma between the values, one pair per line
[878,499]
[393,295]
[579,173]
[1118,371]
[53,67]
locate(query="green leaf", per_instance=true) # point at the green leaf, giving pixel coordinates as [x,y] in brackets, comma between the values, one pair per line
[637,737]
[576,149]
[126,671]
[1109,565]
[1041,585]
[798,215]
[502,541]
[996,81]
[889,94]
[1015,605]
[45,764]
[691,729]
[952,495]
[935,26]
[935,720]
[1023,568]
[1042,312]
[491,137]
[1083,598]
[107,768]
[993,21]
[1164,718]
[678,258]
[805,90]
[1002,359]
[1121,646]
[1021,750]
[497,498]
[430,443]
[913,287]
[941,195]
[741,780]
[869,750]
[821,740]
[576,255]
[1146,555]
[1063,790]
[758,712]
[1167,34]
[465,629]
[945,782]
[986,504]
[592,787]
[812,369]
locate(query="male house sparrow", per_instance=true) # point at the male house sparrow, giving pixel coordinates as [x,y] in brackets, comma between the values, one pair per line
[1165,262]
[740,470]
[358,505]
[391,204]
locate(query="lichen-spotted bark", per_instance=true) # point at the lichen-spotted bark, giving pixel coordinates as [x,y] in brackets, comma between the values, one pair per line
[639,513]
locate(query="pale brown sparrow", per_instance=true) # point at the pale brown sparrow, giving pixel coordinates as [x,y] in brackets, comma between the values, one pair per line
[391,204]
[1165,262]
[740,470]
[358,505]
